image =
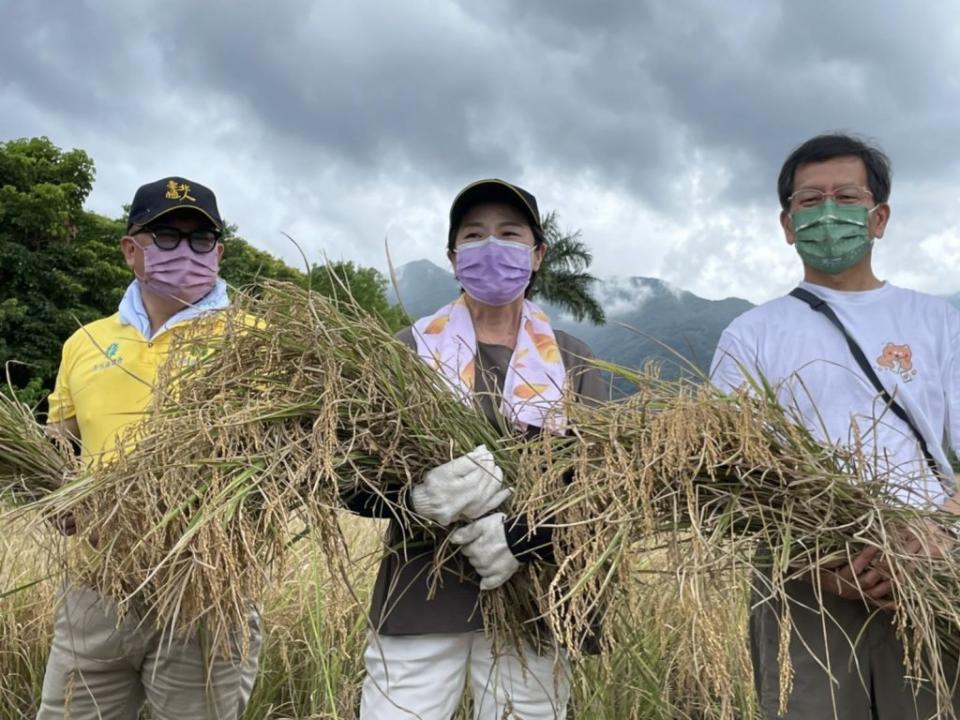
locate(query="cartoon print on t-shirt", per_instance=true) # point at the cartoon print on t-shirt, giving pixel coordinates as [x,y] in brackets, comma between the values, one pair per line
[898,359]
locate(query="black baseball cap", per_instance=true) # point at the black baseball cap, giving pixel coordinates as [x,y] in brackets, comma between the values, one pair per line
[493,190]
[172,193]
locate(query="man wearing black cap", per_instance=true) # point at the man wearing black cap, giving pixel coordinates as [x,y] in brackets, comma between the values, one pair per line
[497,349]
[100,666]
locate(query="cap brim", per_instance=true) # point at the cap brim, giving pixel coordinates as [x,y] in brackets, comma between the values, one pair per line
[145,221]
[490,191]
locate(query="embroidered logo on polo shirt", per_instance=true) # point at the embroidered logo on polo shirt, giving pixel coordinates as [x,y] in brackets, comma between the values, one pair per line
[112,358]
[898,359]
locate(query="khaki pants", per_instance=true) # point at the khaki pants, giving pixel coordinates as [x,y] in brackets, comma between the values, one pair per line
[105,671]
[860,646]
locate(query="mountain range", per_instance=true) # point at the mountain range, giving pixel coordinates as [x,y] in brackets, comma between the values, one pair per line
[647,319]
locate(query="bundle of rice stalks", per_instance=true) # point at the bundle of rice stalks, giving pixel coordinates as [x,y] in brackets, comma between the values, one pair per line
[259,426]
[729,481]
[30,465]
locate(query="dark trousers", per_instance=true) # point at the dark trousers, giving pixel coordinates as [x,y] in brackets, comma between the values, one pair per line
[856,643]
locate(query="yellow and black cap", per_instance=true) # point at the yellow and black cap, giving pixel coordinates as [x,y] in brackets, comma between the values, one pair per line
[172,193]
[493,190]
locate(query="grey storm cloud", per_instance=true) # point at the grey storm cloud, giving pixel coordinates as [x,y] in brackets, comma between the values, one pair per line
[628,88]
[678,107]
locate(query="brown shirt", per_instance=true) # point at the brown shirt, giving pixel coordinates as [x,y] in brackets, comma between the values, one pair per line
[402,602]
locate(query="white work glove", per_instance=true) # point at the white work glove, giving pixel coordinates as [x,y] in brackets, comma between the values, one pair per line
[485,546]
[469,486]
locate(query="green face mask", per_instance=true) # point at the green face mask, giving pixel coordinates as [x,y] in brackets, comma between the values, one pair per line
[831,237]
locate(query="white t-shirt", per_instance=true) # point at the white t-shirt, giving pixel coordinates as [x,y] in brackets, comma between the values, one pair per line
[912,341]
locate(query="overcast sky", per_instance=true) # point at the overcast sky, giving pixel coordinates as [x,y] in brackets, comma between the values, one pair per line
[657,127]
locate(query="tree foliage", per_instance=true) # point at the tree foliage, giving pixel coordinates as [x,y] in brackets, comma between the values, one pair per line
[367,286]
[563,279]
[242,264]
[59,265]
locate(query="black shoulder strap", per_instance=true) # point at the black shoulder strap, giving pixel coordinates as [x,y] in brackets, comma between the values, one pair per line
[824,309]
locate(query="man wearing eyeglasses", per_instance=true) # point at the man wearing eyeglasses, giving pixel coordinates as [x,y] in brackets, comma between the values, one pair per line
[101,666]
[847,658]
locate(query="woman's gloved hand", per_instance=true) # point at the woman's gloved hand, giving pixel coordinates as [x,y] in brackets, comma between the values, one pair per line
[484,543]
[467,487]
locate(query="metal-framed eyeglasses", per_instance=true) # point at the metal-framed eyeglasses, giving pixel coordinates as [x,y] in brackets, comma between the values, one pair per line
[843,195]
[166,237]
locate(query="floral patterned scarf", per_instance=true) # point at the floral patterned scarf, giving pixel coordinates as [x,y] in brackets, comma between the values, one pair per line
[536,379]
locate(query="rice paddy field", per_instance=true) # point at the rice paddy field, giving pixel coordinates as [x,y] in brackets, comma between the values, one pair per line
[315,630]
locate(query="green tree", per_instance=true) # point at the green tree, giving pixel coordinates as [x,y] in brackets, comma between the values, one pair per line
[242,264]
[367,286]
[59,266]
[563,279]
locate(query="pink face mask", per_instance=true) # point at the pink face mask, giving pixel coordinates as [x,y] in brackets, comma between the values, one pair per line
[180,273]
[494,271]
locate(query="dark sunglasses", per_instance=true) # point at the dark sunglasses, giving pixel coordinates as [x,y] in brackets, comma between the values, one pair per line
[169,238]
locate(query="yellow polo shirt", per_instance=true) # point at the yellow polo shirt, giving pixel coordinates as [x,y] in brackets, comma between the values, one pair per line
[106,379]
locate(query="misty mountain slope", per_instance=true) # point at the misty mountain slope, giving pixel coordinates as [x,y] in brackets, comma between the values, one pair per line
[424,287]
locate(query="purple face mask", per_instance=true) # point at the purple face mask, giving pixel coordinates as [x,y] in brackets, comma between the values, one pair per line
[179,273]
[494,271]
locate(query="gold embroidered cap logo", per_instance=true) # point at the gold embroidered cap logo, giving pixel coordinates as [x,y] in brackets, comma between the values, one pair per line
[179,191]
